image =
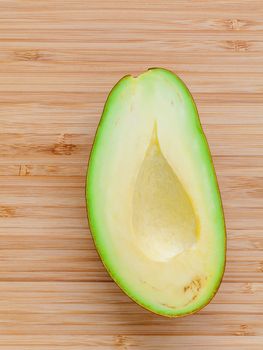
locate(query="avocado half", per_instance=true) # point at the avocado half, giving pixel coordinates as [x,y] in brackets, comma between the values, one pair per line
[153,202]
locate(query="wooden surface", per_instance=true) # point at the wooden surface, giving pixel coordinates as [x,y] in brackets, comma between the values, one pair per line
[58,60]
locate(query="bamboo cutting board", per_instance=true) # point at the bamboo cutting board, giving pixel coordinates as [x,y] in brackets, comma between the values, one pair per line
[58,61]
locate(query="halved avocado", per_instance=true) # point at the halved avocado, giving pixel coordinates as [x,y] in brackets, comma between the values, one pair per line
[153,201]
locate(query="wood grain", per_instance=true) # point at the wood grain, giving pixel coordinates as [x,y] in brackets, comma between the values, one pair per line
[58,60]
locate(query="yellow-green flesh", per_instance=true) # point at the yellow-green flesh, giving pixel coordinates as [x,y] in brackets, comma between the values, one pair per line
[153,202]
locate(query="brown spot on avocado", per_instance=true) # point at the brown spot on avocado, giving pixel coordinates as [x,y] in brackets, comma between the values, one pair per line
[148,284]
[186,288]
[169,306]
[191,300]
[194,297]
[194,285]
[193,288]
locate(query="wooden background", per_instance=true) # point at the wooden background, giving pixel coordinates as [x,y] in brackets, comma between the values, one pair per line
[58,61]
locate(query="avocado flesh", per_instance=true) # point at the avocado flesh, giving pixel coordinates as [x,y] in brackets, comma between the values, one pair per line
[153,202]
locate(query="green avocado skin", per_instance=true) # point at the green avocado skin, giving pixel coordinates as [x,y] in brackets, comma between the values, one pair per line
[91,191]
